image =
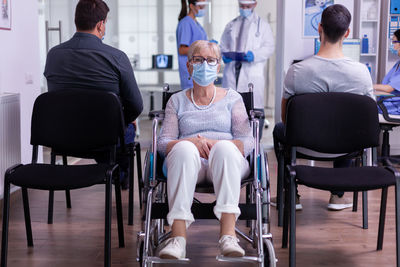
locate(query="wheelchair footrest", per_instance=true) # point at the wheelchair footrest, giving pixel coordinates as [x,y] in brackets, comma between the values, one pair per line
[239,259]
[170,261]
[204,211]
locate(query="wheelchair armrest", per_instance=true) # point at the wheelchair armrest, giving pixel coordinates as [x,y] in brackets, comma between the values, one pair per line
[257,114]
[157,114]
[385,113]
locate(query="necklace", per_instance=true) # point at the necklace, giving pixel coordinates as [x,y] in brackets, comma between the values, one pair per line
[203,107]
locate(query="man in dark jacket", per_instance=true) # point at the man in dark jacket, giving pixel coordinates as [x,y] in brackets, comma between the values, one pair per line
[85,62]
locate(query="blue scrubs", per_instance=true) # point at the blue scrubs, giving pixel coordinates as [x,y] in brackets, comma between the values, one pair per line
[188,31]
[392,78]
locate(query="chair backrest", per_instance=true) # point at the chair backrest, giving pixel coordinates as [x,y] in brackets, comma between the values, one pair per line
[332,122]
[75,121]
[166,96]
[248,101]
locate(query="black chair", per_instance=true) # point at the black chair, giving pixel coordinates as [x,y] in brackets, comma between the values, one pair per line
[64,122]
[336,123]
[132,150]
[387,122]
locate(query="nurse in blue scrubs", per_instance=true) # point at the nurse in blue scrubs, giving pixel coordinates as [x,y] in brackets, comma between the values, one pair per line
[391,82]
[189,30]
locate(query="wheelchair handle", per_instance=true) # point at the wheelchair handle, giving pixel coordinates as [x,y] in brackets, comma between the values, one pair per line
[166,87]
[250,86]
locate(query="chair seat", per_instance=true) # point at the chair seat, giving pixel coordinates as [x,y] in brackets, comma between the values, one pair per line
[59,177]
[384,121]
[345,179]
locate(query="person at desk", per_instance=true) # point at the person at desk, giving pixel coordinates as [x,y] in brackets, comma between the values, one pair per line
[250,34]
[391,82]
[188,31]
[85,62]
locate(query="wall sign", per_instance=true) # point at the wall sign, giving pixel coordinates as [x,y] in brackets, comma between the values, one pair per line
[312,11]
[5,14]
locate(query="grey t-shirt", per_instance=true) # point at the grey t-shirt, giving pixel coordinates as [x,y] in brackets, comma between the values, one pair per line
[317,75]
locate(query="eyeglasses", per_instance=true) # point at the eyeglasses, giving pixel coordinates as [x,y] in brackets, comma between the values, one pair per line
[395,42]
[199,60]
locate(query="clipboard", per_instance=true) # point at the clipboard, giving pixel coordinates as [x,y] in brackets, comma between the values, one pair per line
[237,56]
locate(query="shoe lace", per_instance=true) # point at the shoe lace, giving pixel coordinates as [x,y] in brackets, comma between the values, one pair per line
[174,242]
[229,239]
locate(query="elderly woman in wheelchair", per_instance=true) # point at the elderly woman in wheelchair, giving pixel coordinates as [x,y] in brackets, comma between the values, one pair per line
[206,137]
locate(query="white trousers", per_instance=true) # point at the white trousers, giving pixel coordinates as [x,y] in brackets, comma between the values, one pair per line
[225,168]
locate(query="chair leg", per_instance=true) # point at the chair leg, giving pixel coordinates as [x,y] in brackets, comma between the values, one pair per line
[285,230]
[292,238]
[355,201]
[27,216]
[68,198]
[131,187]
[139,171]
[120,221]
[279,195]
[51,195]
[107,228]
[385,152]
[51,207]
[67,192]
[382,215]
[365,209]
[6,213]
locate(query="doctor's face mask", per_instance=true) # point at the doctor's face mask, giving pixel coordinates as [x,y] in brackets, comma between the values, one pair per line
[394,46]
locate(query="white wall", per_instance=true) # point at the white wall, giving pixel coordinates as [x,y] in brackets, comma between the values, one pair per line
[19,64]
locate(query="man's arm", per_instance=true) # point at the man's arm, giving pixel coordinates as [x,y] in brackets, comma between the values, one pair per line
[129,91]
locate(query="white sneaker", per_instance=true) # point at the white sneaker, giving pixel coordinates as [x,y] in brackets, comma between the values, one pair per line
[339,203]
[229,246]
[273,202]
[175,248]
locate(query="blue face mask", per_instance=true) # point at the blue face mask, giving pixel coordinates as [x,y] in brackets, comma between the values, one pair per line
[204,74]
[245,12]
[200,13]
[392,50]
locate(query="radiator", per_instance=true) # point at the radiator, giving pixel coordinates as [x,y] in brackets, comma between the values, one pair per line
[10,135]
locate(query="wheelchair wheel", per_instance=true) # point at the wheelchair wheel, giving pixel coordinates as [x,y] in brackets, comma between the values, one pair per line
[269,254]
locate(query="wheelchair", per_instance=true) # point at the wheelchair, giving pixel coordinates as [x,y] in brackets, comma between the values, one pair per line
[256,210]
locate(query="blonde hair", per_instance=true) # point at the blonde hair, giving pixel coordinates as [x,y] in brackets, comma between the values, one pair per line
[195,47]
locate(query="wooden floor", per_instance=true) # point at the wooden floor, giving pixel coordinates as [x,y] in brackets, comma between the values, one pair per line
[324,238]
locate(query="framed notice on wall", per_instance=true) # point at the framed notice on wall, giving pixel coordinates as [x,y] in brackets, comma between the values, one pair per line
[312,11]
[5,14]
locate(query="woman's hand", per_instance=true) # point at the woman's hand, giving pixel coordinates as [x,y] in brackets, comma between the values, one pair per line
[203,144]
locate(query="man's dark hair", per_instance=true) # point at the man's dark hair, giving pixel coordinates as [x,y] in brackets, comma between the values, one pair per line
[397,34]
[335,22]
[88,13]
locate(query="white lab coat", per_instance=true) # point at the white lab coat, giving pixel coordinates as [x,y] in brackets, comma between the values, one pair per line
[261,42]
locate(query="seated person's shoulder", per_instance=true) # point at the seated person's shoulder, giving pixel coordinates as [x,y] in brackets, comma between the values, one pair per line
[114,51]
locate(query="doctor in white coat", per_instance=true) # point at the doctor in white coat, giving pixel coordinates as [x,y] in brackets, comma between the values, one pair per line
[251,35]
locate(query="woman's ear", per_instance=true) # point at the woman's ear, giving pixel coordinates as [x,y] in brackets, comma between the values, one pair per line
[189,68]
